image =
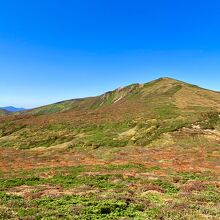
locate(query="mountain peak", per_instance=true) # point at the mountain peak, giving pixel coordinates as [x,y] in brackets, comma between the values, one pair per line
[168,79]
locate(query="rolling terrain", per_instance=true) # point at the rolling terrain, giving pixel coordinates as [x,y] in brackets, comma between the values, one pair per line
[144,151]
[3,112]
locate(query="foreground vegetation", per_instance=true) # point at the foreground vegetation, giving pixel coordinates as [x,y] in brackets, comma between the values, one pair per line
[109,192]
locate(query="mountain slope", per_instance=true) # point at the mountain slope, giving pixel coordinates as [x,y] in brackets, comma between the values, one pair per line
[3,112]
[182,95]
[139,114]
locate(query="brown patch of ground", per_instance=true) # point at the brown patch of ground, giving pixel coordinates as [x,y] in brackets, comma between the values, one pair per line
[182,159]
[197,98]
[15,159]
[33,192]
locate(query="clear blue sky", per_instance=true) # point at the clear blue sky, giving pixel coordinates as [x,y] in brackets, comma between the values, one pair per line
[51,50]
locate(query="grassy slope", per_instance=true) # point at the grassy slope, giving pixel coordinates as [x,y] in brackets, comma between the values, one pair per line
[3,112]
[133,115]
[179,93]
[74,165]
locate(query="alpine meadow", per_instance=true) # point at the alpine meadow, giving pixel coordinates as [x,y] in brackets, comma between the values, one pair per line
[145,151]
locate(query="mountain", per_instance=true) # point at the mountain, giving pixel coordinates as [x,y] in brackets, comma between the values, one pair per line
[179,94]
[12,109]
[138,114]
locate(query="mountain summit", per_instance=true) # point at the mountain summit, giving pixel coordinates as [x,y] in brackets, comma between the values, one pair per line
[166,91]
[138,114]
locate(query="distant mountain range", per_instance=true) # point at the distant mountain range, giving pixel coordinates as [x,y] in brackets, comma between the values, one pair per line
[9,109]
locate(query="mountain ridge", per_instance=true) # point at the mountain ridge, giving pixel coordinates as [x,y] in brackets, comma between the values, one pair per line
[118,93]
[138,114]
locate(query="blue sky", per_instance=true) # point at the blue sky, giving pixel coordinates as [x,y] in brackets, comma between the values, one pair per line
[51,50]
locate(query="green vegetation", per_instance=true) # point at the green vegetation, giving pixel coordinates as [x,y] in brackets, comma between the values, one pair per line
[211,120]
[83,194]
[186,176]
[166,186]
[7,183]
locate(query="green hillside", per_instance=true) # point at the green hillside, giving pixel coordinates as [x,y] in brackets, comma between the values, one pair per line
[3,112]
[139,114]
[156,91]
